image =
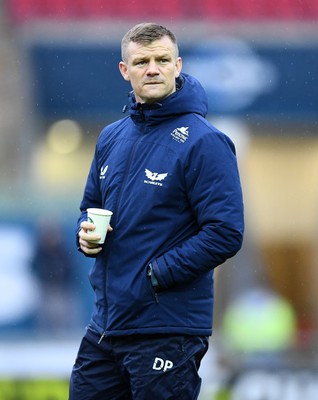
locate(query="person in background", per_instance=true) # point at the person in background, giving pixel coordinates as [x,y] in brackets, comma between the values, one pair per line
[53,268]
[171,180]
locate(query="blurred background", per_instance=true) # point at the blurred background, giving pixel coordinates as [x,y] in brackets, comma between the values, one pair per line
[60,84]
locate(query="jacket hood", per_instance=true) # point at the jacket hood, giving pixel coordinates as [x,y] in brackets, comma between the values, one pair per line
[190,97]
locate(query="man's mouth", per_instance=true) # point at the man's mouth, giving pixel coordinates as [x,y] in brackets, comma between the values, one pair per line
[153,83]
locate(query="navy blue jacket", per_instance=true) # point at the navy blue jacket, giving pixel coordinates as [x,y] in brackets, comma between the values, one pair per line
[172,182]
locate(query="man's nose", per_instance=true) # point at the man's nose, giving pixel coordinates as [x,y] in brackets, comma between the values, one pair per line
[152,68]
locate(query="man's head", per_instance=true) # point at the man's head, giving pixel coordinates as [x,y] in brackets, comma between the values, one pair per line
[150,61]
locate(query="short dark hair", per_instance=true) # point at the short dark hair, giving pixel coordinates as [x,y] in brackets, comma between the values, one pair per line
[146,33]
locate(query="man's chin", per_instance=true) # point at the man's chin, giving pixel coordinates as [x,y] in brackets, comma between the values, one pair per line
[153,98]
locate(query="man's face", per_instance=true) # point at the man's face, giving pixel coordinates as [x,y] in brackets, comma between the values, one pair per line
[151,69]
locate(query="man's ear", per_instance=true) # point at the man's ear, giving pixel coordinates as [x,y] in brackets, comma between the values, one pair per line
[124,70]
[178,66]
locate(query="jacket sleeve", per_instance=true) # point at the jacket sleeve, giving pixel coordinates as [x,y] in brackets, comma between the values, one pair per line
[92,195]
[215,196]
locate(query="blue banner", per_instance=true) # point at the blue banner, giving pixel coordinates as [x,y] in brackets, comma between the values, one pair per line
[256,81]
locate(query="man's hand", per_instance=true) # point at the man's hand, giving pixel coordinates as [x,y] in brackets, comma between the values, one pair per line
[86,240]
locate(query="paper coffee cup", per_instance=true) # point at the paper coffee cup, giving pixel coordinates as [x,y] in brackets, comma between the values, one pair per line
[101,219]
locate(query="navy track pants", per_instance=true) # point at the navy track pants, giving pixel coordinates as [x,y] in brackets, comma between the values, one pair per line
[140,367]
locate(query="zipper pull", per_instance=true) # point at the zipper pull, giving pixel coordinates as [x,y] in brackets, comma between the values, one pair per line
[101,338]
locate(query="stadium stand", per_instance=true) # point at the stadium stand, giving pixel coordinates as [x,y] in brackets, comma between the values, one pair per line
[22,11]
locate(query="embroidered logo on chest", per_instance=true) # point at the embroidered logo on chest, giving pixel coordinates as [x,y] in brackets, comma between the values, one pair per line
[154,178]
[180,134]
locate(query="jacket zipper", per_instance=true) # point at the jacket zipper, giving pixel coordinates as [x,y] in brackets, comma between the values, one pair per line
[156,297]
[127,170]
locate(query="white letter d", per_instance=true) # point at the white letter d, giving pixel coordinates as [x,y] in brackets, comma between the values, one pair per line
[158,363]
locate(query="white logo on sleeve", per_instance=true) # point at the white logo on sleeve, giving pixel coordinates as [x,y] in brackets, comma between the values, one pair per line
[162,365]
[181,134]
[154,178]
[103,171]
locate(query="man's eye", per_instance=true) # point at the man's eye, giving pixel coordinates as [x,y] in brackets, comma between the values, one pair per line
[141,63]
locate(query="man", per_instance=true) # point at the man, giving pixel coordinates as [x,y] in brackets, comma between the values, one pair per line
[172,182]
